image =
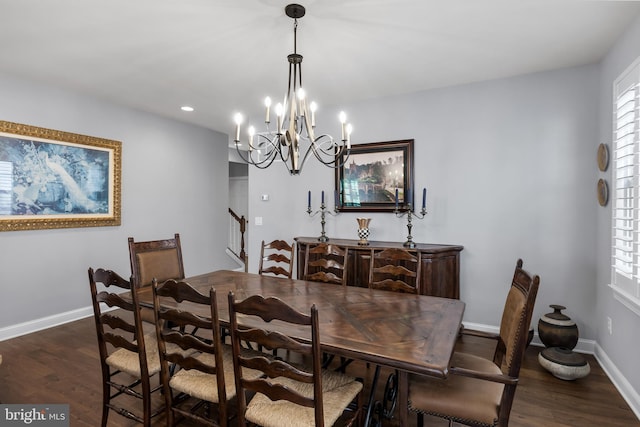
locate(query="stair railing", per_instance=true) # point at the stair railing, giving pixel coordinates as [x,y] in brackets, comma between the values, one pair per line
[237,229]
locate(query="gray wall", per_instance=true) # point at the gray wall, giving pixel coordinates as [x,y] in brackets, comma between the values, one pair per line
[174,179]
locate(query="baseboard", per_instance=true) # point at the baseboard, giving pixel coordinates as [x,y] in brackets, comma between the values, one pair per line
[583,346]
[629,394]
[44,323]
[236,259]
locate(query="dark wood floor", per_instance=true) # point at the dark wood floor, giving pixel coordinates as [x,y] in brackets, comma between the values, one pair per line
[60,365]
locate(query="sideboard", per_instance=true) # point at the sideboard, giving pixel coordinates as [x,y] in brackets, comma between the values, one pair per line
[440,264]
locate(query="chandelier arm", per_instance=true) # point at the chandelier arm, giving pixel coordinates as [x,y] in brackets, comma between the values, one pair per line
[332,145]
[338,156]
[270,155]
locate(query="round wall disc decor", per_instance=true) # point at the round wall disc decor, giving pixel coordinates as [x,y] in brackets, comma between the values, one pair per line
[603,157]
[603,192]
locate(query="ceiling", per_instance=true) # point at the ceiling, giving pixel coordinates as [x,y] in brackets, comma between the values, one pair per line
[223,56]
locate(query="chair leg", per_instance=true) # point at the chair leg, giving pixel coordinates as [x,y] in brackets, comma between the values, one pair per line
[420,420]
[106,397]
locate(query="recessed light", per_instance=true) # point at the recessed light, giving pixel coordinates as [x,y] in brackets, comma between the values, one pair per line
[186,108]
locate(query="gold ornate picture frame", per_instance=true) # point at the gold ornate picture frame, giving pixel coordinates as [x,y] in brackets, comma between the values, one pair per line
[55,179]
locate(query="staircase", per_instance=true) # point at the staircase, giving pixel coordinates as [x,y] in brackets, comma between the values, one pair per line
[235,246]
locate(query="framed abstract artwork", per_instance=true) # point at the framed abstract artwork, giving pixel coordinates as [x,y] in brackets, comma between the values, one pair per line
[56,179]
[376,177]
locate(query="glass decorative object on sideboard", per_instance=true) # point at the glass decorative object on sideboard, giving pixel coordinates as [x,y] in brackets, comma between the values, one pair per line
[322,211]
[408,211]
[363,231]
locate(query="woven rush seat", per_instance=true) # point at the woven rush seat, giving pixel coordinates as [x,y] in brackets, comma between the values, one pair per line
[336,388]
[127,361]
[204,386]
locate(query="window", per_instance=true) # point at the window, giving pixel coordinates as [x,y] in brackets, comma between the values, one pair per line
[626,184]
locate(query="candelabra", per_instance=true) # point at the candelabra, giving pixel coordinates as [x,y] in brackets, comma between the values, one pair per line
[323,212]
[410,214]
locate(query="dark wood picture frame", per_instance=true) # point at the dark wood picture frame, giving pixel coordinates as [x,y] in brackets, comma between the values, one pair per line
[55,179]
[376,177]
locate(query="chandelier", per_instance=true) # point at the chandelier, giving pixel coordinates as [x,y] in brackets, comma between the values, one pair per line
[293,139]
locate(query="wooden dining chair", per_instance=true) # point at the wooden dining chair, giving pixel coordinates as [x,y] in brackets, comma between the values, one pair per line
[276,258]
[479,391]
[128,357]
[196,370]
[325,262]
[287,394]
[159,259]
[395,269]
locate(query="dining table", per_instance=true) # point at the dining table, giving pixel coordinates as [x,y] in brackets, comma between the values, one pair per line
[411,334]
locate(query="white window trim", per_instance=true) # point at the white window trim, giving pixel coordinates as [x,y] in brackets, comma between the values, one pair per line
[627,291]
[629,301]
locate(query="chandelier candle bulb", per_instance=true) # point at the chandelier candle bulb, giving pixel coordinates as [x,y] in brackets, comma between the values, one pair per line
[238,119]
[313,106]
[252,132]
[322,197]
[343,121]
[267,103]
[309,200]
[302,102]
[424,198]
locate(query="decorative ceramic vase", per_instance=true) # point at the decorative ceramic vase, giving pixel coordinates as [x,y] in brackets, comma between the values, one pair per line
[564,363]
[363,230]
[558,330]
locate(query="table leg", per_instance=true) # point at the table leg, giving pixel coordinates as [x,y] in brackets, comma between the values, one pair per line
[403,397]
[370,404]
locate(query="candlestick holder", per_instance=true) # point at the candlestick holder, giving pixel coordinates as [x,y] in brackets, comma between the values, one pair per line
[410,214]
[322,211]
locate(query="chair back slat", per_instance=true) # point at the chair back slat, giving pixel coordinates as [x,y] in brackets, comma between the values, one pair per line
[276,258]
[326,263]
[395,269]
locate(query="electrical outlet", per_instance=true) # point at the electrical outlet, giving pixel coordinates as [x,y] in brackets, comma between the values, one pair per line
[609,325]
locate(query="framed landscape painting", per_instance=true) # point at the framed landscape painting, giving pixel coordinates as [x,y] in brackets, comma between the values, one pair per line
[376,177]
[55,179]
